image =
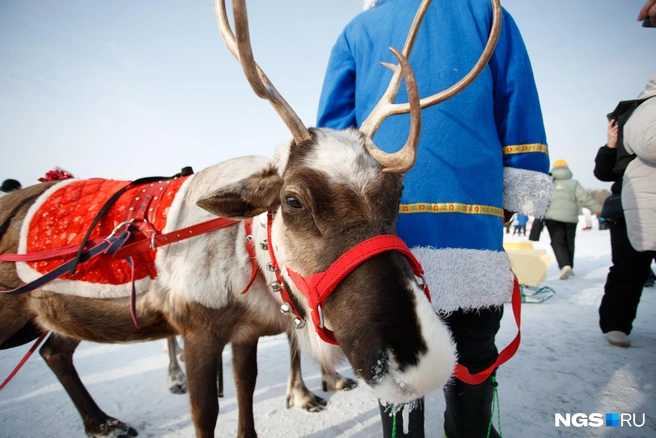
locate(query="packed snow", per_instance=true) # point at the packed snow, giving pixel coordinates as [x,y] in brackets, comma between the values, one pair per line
[564,365]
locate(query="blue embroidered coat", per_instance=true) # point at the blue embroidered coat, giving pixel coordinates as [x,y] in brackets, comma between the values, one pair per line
[480,152]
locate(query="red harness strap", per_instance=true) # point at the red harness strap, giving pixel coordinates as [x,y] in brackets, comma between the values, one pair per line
[462,373]
[317,287]
[45,255]
[280,286]
[250,246]
[27,356]
[174,236]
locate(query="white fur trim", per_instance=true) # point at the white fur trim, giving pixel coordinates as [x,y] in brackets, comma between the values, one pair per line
[368,4]
[526,191]
[466,278]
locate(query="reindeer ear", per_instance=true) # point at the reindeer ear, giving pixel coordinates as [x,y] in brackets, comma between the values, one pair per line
[248,197]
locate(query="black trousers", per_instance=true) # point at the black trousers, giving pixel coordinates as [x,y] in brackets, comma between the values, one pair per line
[520,229]
[536,230]
[562,241]
[625,281]
[474,333]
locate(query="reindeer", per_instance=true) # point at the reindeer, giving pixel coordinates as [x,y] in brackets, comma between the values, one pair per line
[323,216]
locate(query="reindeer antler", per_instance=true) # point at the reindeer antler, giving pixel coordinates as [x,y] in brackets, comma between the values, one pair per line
[262,86]
[403,160]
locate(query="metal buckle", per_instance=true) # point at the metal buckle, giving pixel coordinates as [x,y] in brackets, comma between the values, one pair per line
[152,240]
[423,282]
[119,226]
[320,316]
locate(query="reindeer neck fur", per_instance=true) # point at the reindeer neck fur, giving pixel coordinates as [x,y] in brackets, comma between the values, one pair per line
[204,268]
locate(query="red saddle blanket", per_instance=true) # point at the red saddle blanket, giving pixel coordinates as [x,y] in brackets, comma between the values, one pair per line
[62,216]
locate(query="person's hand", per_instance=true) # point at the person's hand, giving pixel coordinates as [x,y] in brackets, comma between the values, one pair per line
[648,10]
[612,132]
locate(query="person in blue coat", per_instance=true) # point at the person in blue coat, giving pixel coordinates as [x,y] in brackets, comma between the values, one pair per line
[481,152]
[520,224]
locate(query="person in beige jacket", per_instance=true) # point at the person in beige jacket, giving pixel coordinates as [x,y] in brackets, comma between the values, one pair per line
[562,215]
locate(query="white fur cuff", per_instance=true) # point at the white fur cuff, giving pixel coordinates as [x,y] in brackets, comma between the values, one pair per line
[526,191]
[466,278]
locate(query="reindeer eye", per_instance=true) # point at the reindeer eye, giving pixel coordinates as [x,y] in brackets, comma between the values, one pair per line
[294,203]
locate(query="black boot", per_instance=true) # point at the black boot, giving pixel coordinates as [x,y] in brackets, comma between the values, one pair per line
[415,420]
[469,409]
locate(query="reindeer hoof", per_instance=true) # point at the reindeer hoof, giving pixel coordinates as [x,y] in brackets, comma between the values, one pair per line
[308,402]
[340,383]
[178,388]
[320,404]
[346,384]
[111,428]
[177,382]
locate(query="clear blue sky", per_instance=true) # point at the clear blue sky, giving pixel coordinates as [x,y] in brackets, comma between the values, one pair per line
[126,89]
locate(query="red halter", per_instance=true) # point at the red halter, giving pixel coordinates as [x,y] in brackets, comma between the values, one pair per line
[317,287]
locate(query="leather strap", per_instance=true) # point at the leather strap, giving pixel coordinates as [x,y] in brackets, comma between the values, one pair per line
[46,255]
[27,356]
[284,294]
[463,374]
[250,246]
[112,243]
[173,236]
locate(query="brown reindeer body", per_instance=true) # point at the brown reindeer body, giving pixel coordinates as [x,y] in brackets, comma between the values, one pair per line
[236,318]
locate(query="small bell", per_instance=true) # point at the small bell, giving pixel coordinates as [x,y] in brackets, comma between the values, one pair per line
[264,245]
[285,309]
[275,287]
[270,267]
[299,324]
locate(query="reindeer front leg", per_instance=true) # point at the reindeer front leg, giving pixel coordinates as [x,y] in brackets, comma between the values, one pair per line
[298,396]
[244,367]
[201,359]
[58,354]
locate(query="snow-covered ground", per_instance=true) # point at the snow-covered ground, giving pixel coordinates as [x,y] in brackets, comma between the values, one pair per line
[564,365]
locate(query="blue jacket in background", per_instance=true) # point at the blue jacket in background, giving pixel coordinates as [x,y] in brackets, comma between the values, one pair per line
[455,195]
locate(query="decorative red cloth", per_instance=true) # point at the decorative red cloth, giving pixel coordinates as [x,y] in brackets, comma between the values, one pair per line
[66,215]
[56,175]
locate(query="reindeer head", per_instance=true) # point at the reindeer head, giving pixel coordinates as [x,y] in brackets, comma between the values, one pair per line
[332,191]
